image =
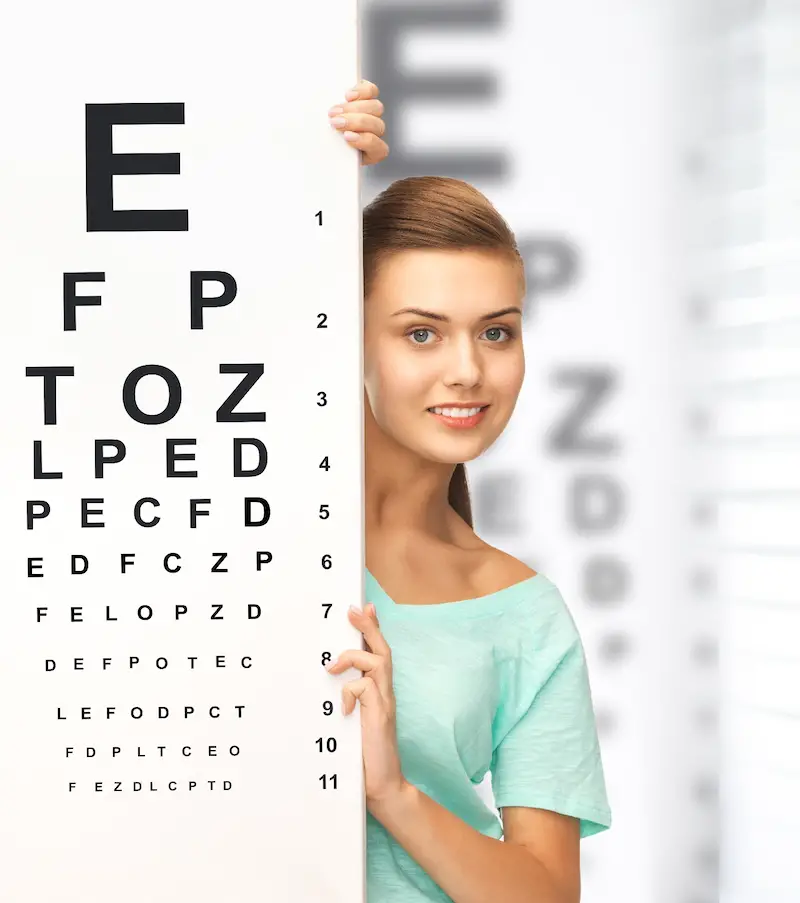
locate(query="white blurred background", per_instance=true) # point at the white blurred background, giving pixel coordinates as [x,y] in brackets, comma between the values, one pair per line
[645,152]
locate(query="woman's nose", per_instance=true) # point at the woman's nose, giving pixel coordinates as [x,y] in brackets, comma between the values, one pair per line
[463,364]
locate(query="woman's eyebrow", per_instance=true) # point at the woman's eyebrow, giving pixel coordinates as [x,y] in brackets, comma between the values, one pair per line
[434,316]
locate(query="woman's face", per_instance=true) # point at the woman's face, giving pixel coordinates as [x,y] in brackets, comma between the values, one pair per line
[442,329]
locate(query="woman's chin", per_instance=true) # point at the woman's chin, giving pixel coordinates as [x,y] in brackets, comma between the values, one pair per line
[454,452]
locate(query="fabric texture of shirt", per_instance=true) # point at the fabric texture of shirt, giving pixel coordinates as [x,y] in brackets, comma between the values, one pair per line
[497,684]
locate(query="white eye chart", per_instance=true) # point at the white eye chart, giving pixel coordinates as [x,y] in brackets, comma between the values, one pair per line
[181,454]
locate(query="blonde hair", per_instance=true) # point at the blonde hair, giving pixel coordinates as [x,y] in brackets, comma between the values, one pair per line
[443,214]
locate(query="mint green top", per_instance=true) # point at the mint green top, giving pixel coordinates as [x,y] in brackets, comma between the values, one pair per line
[493,684]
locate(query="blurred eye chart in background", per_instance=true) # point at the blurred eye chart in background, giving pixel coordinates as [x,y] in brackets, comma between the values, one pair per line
[180,465]
[646,156]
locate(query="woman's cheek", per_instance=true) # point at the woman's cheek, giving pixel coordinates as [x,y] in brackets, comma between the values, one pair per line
[403,375]
[510,374]
[504,386]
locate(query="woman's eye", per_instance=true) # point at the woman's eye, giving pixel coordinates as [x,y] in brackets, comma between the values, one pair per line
[419,332]
[498,330]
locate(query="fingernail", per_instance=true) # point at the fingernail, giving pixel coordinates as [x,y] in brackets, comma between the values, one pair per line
[338,121]
[356,611]
[350,136]
[351,94]
[334,110]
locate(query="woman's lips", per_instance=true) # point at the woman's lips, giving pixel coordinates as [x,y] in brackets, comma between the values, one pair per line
[460,423]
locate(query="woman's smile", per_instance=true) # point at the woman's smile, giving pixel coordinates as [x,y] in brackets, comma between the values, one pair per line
[459,417]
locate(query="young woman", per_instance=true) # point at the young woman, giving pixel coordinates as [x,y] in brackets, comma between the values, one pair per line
[474,663]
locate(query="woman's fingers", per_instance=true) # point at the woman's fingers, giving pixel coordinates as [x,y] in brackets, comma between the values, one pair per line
[373,107]
[356,658]
[376,663]
[359,122]
[364,689]
[368,625]
[373,149]
[363,91]
[376,667]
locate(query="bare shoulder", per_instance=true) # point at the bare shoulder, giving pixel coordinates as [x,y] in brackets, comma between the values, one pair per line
[490,568]
[499,569]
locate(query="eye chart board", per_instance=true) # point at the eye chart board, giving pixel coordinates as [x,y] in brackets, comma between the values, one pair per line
[180,463]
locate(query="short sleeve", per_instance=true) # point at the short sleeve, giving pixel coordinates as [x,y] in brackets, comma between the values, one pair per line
[547,754]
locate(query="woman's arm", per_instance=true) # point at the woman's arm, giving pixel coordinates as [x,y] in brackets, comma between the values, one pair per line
[539,860]
[473,868]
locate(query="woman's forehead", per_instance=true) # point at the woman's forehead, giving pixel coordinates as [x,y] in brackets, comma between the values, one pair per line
[459,277]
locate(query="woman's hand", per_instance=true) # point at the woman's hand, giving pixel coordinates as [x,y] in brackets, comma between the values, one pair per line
[383,777]
[359,120]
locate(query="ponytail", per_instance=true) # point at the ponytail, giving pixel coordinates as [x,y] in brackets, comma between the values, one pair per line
[458,494]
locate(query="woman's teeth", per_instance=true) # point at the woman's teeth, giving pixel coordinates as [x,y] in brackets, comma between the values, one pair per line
[456,412]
